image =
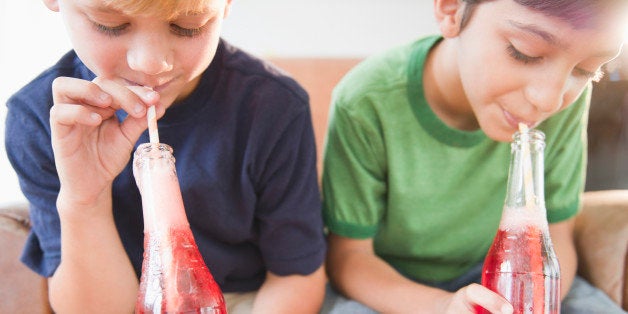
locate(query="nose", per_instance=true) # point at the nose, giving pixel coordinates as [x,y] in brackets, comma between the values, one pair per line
[150,55]
[547,93]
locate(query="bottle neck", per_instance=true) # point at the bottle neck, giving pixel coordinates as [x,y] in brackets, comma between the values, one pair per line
[156,177]
[525,188]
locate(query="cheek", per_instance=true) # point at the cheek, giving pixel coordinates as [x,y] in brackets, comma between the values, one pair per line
[482,70]
[101,55]
[195,58]
[570,97]
[575,87]
[104,59]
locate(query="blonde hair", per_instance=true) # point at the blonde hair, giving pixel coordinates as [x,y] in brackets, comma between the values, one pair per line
[167,9]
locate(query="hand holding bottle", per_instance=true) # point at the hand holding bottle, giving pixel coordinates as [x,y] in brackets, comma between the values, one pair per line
[467,298]
[85,131]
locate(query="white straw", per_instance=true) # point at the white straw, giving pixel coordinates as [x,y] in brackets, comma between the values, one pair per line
[152,125]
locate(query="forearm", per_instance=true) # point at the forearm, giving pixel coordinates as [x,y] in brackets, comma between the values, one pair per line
[568,267]
[562,239]
[371,281]
[95,274]
[291,294]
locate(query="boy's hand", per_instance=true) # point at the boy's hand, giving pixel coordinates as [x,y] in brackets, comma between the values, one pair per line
[467,298]
[91,147]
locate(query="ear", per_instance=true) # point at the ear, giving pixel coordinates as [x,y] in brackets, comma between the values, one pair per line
[448,15]
[53,5]
[227,9]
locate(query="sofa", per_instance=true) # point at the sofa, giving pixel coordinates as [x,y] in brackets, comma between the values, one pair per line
[601,227]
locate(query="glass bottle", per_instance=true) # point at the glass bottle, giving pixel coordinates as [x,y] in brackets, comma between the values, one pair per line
[521,264]
[174,276]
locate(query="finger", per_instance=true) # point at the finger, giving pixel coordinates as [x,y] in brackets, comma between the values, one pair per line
[133,127]
[148,95]
[71,90]
[65,118]
[70,115]
[134,102]
[484,297]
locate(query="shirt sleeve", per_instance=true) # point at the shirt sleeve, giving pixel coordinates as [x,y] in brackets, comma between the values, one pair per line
[565,159]
[354,185]
[288,211]
[27,140]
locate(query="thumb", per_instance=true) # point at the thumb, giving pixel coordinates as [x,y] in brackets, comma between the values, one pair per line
[133,127]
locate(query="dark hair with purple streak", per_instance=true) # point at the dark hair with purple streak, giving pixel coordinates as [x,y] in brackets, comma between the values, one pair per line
[579,13]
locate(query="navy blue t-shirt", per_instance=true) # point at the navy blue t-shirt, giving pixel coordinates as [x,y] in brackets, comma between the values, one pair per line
[245,158]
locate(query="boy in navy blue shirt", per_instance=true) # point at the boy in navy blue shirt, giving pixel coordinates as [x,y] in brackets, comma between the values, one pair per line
[241,132]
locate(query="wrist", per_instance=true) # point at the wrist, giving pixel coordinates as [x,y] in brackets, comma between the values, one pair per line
[71,205]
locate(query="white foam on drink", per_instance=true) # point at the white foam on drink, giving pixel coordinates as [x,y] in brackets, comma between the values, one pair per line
[518,218]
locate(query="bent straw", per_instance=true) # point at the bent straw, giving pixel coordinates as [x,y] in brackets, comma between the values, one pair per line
[527,166]
[153,134]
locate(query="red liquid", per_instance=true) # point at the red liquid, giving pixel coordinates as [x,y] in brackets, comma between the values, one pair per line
[177,279]
[518,268]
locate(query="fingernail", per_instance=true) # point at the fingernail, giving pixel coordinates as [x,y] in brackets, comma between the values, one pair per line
[138,108]
[151,95]
[104,98]
[94,116]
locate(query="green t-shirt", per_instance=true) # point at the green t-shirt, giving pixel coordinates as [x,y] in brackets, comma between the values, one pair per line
[430,196]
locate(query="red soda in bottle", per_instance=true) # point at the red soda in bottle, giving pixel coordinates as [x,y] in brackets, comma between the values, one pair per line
[521,264]
[174,276]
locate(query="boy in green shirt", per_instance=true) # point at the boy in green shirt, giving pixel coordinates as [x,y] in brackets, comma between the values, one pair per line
[417,153]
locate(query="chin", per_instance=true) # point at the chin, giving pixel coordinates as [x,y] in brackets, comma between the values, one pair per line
[500,135]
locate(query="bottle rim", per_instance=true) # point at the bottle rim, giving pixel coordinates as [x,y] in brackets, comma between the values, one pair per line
[148,147]
[533,134]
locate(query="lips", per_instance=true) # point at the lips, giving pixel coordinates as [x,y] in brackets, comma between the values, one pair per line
[514,121]
[159,87]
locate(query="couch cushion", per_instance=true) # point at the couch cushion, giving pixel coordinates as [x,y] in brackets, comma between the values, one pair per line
[22,290]
[602,242]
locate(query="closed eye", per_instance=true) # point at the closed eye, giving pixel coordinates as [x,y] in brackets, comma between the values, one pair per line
[111,31]
[594,76]
[521,57]
[186,32]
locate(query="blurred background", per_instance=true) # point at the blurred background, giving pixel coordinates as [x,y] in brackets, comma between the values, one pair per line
[32,38]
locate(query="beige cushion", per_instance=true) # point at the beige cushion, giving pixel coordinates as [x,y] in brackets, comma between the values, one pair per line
[22,290]
[318,77]
[602,242]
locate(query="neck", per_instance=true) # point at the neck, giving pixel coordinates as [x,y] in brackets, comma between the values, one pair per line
[443,89]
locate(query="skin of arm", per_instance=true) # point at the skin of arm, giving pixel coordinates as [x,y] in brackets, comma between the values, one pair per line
[562,239]
[91,147]
[291,294]
[95,270]
[358,273]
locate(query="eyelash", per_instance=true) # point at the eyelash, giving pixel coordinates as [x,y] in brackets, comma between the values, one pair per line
[594,76]
[525,59]
[187,32]
[519,56]
[176,29]
[110,31]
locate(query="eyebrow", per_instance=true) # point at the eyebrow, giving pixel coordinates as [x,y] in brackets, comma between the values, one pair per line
[533,29]
[103,9]
[553,40]
[200,12]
